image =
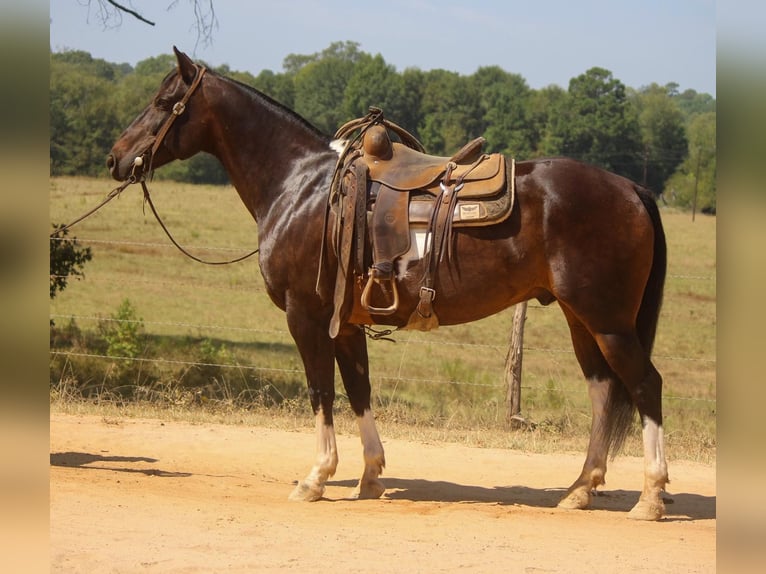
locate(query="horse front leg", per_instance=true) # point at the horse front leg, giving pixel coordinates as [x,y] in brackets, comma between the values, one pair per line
[316,350]
[351,355]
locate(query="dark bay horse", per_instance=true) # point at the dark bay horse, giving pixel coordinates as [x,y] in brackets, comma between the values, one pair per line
[578,235]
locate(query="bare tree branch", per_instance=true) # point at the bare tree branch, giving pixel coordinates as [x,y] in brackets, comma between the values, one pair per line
[129,11]
[205,21]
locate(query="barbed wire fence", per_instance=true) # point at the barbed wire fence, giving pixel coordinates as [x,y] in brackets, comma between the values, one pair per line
[499,349]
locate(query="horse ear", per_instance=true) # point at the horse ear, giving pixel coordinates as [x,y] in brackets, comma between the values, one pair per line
[186,67]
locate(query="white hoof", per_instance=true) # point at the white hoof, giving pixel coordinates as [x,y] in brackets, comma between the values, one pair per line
[647,510]
[305,492]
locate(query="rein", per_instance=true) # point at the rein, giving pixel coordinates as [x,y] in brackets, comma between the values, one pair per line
[148,200]
[178,108]
[110,196]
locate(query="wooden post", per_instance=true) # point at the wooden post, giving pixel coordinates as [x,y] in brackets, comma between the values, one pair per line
[513,368]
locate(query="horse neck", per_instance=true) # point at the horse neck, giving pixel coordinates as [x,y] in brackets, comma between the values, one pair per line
[266,150]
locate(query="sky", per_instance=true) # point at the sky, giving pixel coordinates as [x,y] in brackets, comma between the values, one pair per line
[547,42]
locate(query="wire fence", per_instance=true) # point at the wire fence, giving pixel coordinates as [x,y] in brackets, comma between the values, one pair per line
[427,343]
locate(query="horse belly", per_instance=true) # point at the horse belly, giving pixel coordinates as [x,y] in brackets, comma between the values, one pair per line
[476,284]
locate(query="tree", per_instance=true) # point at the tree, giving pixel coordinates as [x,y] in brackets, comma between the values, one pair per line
[694,183]
[83,121]
[374,83]
[277,86]
[320,85]
[411,116]
[451,112]
[692,103]
[504,100]
[67,259]
[663,134]
[599,125]
[544,107]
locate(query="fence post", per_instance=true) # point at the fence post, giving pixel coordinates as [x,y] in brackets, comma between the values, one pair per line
[513,368]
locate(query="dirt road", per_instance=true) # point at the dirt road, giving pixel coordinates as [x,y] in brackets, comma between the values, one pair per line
[132,496]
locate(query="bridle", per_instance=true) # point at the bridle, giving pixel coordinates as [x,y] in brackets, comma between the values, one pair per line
[178,109]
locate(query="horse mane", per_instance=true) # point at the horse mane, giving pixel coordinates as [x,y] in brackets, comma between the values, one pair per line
[276,106]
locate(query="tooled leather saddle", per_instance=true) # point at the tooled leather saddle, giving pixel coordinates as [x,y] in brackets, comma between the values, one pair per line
[388,193]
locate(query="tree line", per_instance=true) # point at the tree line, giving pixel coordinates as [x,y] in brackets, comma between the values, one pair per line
[656,135]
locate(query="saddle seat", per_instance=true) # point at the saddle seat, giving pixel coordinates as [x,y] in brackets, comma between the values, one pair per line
[402,168]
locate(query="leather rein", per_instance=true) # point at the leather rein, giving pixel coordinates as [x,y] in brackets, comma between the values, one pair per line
[178,109]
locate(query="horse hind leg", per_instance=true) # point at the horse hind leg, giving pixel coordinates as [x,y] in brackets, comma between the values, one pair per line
[627,357]
[351,356]
[600,378]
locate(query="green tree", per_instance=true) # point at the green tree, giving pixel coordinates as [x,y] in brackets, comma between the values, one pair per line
[320,84]
[694,183]
[277,86]
[451,112]
[124,332]
[67,259]
[504,100]
[544,107]
[83,121]
[691,103]
[411,115]
[598,124]
[374,83]
[92,66]
[663,134]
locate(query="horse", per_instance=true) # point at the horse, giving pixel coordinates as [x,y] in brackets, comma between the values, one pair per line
[581,236]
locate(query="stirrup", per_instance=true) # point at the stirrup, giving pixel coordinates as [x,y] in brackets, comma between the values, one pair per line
[367,294]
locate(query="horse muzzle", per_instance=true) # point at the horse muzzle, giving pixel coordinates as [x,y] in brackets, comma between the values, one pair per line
[122,170]
[130,160]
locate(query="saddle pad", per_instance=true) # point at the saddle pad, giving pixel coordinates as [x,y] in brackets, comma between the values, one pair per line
[471,211]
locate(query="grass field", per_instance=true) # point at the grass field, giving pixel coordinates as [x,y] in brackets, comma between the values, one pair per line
[210,336]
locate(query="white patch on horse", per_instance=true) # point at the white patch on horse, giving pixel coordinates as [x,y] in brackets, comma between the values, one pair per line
[338,146]
[420,241]
[368,432]
[654,449]
[374,459]
[312,488]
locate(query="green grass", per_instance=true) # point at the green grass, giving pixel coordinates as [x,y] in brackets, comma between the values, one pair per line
[448,384]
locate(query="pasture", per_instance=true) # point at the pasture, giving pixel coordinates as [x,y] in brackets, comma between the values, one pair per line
[210,343]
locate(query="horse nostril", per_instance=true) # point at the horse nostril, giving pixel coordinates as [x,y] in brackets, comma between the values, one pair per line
[110,161]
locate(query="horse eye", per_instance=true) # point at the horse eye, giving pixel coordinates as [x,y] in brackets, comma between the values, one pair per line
[163,103]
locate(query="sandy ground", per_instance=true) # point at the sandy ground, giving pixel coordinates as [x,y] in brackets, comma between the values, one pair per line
[132,495]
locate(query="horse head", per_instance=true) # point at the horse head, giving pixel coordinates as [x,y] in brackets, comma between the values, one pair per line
[170,127]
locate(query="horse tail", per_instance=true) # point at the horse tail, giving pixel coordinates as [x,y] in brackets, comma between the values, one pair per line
[620,410]
[649,312]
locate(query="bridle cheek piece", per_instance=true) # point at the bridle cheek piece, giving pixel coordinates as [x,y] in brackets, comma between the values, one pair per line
[178,109]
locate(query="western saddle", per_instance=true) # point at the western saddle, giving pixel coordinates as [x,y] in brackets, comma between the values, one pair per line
[388,189]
